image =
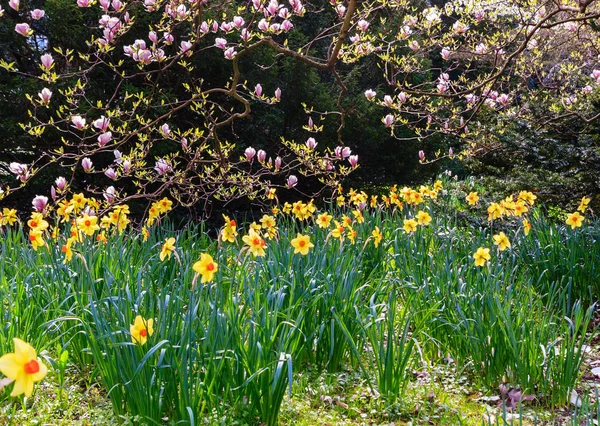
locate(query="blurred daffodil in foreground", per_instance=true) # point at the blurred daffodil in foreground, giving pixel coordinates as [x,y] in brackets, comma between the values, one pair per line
[22,367]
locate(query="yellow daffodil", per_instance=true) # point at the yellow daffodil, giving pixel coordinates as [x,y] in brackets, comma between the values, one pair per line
[78,202]
[410,225]
[229,231]
[141,329]
[302,244]
[145,234]
[88,224]
[255,243]
[481,256]
[206,267]
[324,220]
[358,216]
[9,216]
[167,248]
[338,231]
[520,208]
[575,220]
[423,218]
[23,367]
[472,198]
[36,239]
[526,227]
[287,207]
[528,197]
[501,240]
[494,211]
[583,204]
[377,237]
[165,205]
[66,249]
[340,201]
[37,222]
[373,202]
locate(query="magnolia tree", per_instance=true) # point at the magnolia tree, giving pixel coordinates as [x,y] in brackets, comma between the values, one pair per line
[444,66]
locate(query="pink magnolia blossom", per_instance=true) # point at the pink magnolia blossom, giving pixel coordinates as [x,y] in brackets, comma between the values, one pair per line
[277,163]
[292,181]
[421,155]
[226,27]
[481,49]
[460,28]
[403,97]
[238,21]
[503,99]
[45,95]
[215,27]
[273,7]
[263,25]
[37,14]
[221,43]
[165,129]
[101,123]
[169,39]
[388,120]
[47,61]
[162,167]
[230,53]
[39,203]
[109,194]
[126,166]
[117,5]
[278,94]
[370,94]
[479,14]
[87,164]
[311,143]
[353,160]
[596,75]
[185,47]
[406,32]
[14,4]
[414,45]
[250,153]
[362,25]
[311,125]
[153,37]
[284,13]
[83,3]
[261,155]
[342,152]
[587,89]
[258,90]
[110,173]
[286,25]
[150,5]
[445,53]
[450,152]
[245,34]
[104,138]
[78,122]
[341,10]
[61,183]
[20,170]
[24,29]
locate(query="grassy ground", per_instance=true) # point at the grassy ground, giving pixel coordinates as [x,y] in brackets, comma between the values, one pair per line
[390,318]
